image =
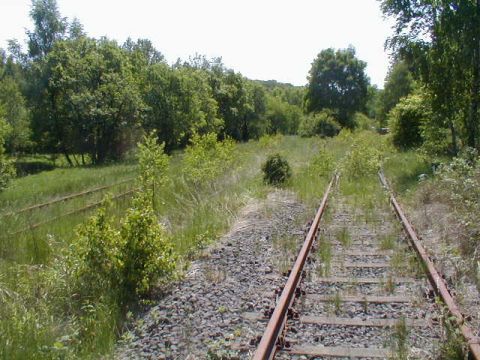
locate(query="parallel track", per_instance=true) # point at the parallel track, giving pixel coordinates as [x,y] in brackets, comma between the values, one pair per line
[287,316]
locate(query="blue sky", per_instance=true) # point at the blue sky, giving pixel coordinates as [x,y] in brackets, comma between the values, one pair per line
[262,39]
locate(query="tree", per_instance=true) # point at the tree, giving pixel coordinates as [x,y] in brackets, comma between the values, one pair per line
[442,40]
[179,103]
[337,81]
[89,101]
[49,27]
[406,120]
[282,117]
[398,84]
[7,171]
[16,115]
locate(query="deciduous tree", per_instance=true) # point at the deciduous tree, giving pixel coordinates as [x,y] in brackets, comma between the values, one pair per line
[337,81]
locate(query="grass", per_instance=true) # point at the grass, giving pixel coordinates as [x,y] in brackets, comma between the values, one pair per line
[38,321]
[343,235]
[324,254]
[403,169]
[50,185]
[399,339]
[32,265]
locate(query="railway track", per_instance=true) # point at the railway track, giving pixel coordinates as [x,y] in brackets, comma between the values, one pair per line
[357,290]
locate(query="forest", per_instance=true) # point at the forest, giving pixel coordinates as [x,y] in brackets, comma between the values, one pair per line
[168,153]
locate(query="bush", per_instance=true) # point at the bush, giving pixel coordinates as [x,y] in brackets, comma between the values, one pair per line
[322,123]
[406,120]
[364,157]
[363,122]
[146,254]
[276,170]
[206,158]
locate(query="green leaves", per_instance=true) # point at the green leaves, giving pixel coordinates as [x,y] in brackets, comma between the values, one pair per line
[406,120]
[276,170]
[206,158]
[337,81]
[153,164]
[7,170]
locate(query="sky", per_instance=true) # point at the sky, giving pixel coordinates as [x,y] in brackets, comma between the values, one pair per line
[262,39]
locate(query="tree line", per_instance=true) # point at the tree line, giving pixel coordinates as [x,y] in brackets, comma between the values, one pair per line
[90,99]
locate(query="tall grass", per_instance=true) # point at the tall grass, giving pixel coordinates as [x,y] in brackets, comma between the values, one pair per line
[37,316]
[50,185]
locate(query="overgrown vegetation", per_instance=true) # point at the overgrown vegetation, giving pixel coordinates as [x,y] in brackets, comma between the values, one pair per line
[276,170]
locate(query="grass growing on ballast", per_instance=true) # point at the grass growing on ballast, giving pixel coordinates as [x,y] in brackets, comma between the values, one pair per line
[34,296]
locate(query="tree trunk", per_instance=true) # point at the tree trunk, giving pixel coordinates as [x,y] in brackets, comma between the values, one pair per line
[453,132]
[65,153]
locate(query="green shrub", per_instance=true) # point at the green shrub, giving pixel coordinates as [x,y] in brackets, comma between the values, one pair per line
[364,157]
[206,158]
[97,249]
[276,170]
[322,124]
[363,122]
[147,255]
[406,120]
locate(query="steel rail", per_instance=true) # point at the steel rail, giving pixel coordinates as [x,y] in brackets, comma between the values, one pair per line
[66,198]
[73,212]
[268,344]
[436,280]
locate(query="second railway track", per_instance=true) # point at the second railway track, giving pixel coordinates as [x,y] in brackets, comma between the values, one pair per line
[361,292]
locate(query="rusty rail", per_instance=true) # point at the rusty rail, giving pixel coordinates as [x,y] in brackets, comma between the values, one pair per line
[65,198]
[436,280]
[268,344]
[76,211]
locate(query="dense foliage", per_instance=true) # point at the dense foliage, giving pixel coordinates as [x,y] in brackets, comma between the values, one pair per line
[6,167]
[440,42]
[406,121]
[91,99]
[322,123]
[337,81]
[276,170]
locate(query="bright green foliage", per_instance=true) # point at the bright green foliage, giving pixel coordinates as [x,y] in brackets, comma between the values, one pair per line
[323,163]
[206,158]
[147,255]
[363,122]
[364,157]
[7,170]
[322,123]
[98,265]
[49,27]
[276,170]
[406,120]
[153,164]
[180,102]
[337,81]
[281,116]
[16,115]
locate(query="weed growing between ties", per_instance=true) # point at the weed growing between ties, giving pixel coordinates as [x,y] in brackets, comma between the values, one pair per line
[453,345]
[344,237]
[399,340]
[324,254]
